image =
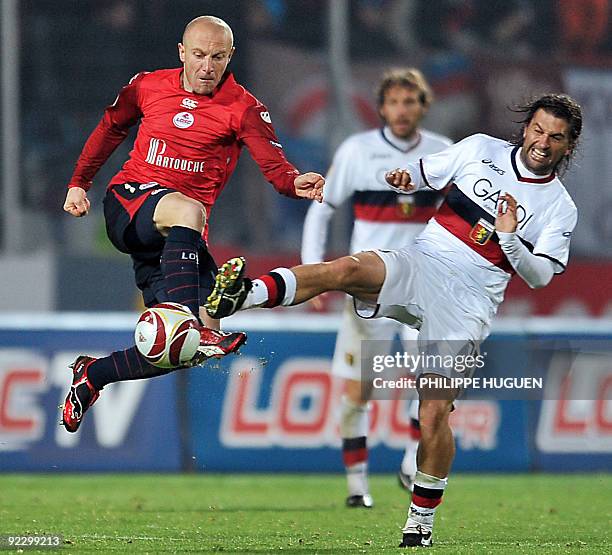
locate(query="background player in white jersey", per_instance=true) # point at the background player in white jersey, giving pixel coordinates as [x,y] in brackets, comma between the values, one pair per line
[506,212]
[382,220]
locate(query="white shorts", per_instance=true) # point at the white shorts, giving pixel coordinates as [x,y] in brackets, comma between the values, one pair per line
[421,291]
[353,330]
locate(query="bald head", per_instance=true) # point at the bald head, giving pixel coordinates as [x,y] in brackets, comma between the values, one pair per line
[207,47]
[208,23]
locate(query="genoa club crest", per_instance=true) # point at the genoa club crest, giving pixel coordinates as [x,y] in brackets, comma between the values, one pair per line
[482,231]
[405,208]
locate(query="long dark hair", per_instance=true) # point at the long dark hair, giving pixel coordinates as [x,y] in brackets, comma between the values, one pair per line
[559,105]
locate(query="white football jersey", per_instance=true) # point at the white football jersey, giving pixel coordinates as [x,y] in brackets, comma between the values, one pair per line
[478,170]
[382,218]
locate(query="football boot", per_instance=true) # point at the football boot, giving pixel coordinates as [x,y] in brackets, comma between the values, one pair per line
[364,501]
[81,396]
[217,344]
[417,538]
[231,288]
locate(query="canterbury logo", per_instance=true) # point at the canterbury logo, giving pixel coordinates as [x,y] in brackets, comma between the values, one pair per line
[189,103]
[155,157]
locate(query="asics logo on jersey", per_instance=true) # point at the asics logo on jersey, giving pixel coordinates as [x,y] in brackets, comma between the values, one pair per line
[155,157]
[490,163]
[189,103]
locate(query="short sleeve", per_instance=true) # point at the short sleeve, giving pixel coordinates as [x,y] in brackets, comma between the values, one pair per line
[437,170]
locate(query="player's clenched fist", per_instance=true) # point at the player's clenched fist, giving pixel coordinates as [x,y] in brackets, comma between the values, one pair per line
[506,220]
[400,179]
[76,204]
[310,185]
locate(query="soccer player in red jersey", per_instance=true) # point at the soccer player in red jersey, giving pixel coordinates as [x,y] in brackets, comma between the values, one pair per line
[194,121]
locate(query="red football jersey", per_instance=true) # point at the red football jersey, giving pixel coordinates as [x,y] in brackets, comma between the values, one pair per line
[185,141]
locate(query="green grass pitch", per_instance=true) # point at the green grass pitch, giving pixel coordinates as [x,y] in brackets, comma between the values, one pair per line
[140,513]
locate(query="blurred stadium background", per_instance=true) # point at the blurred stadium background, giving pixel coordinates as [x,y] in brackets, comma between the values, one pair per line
[315,67]
[314,63]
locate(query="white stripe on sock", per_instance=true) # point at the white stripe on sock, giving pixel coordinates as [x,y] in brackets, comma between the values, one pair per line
[430,482]
[290,285]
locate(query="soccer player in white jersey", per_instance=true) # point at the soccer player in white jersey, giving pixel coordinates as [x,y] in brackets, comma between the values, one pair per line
[506,213]
[382,220]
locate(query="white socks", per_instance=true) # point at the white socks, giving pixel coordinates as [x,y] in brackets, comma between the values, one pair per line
[354,418]
[257,296]
[354,423]
[409,462]
[275,288]
[427,495]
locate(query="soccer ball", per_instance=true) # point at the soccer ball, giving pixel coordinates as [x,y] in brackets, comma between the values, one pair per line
[167,335]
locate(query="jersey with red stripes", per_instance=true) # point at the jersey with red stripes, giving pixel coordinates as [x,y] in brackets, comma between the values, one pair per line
[462,234]
[382,218]
[185,141]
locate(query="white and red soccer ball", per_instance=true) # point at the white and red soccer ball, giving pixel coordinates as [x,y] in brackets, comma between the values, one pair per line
[167,335]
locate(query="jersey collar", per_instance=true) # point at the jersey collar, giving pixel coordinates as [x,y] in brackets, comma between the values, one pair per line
[523,174]
[397,143]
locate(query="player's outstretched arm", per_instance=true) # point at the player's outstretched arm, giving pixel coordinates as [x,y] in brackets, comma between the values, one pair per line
[535,270]
[310,186]
[76,204]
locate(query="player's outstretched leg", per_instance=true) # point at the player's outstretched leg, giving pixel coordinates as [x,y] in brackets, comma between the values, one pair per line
[233,291]
[360,275]
[90,375]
